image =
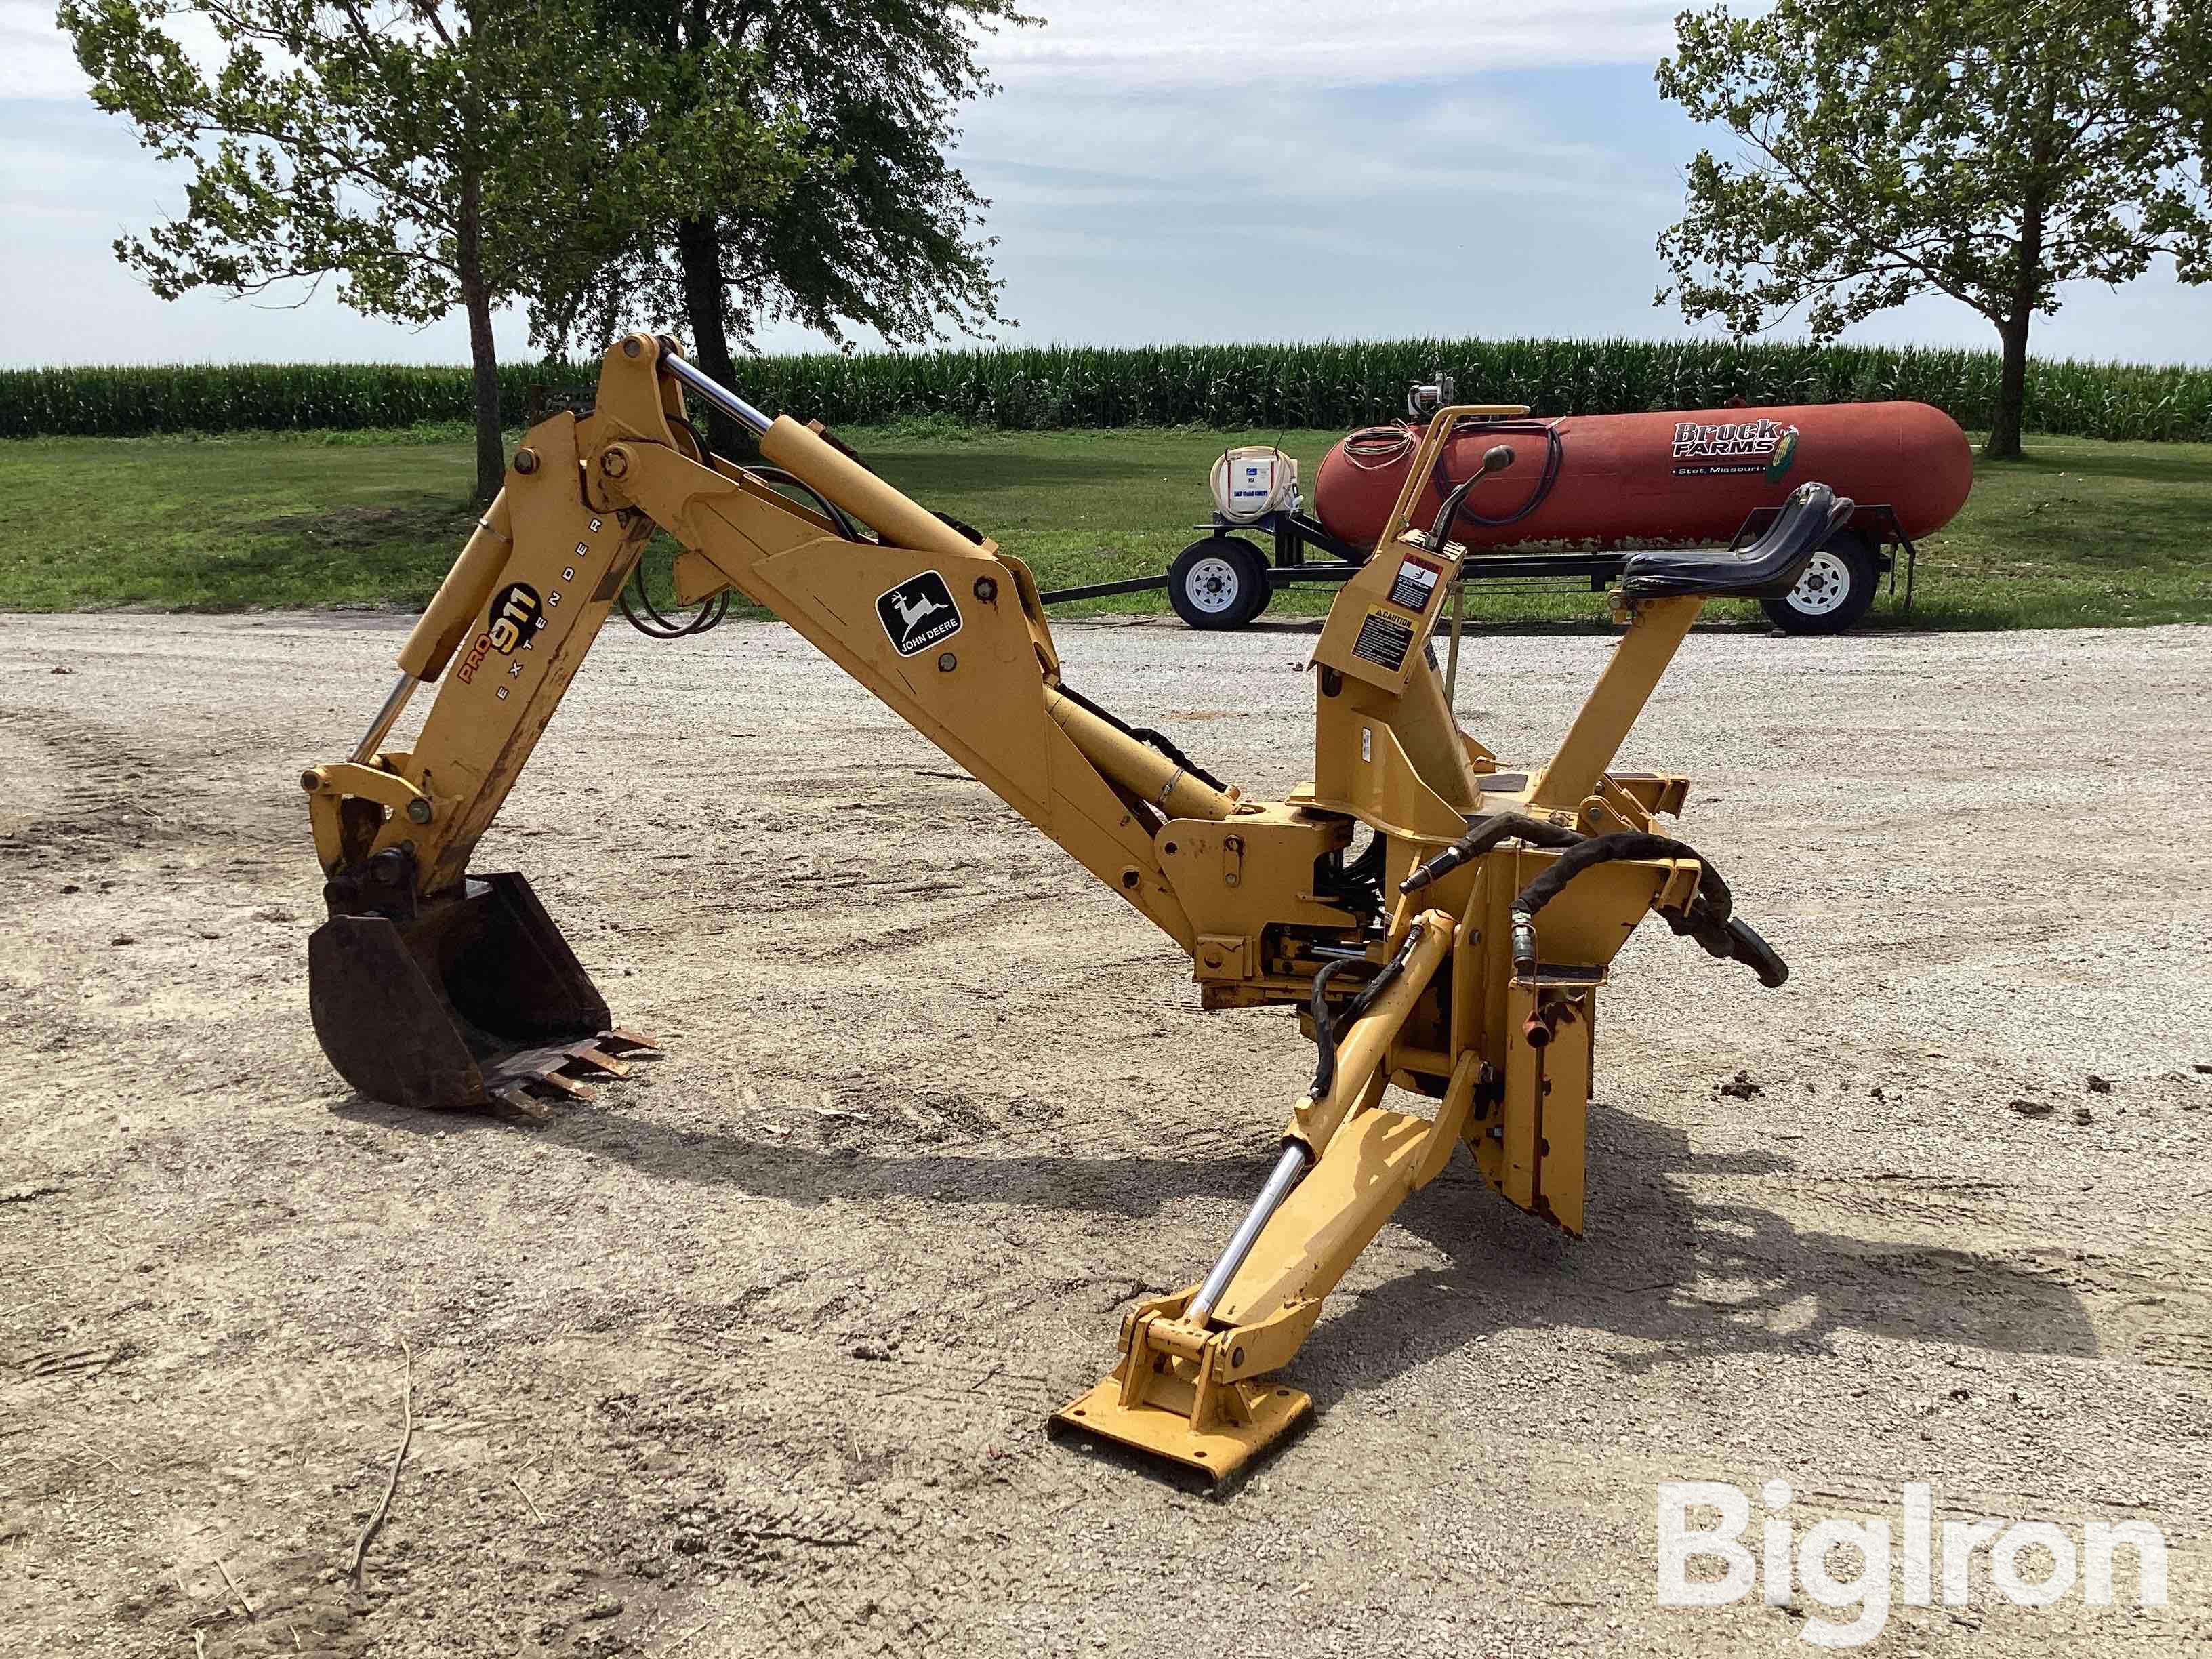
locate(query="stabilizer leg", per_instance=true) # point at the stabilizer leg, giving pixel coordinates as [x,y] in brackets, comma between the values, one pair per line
[1190,1386]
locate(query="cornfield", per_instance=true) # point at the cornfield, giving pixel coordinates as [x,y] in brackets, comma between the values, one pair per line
[1328,385]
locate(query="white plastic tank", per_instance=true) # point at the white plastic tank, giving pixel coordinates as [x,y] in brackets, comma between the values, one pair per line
[1254,480]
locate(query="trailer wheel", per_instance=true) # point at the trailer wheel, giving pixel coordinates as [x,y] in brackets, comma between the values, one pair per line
[1220,582]
[1837,589]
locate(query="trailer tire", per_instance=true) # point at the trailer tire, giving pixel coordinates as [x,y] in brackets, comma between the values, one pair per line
[1219,582]
[1837,589]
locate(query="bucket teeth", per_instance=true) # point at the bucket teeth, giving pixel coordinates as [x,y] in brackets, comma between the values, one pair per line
[592,1058]
[553,1080]
[620,1040]
[533,1075]
[528,1106]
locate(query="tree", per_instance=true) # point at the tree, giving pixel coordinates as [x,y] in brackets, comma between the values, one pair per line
[1988,150]
[879,230]
[428,156]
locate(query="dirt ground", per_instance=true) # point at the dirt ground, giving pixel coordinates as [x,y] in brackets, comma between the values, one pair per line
[751,1354]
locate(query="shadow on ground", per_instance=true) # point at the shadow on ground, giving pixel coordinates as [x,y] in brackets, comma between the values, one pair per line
[1692,1276]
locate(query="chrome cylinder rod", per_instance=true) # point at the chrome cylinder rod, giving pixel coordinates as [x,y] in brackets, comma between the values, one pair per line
[720,396]
[1297,1159]
[373,740]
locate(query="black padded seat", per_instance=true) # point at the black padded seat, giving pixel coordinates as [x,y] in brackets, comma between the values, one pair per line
[1767,569]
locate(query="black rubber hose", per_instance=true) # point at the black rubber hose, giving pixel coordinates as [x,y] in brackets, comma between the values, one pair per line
[710,612]
[1145,735]
[1326,1025]
[1713,894]
[829,509]
[1709,917]
[1358,884]
[1506,826]
[1454,508]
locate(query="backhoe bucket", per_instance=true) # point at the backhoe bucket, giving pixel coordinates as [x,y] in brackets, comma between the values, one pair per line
[473,1001]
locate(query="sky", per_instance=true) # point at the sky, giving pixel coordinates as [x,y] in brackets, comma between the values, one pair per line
[1158,171]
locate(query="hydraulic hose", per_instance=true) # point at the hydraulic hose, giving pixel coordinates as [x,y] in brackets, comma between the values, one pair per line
[1326,1024]
[712,611]
[1709,917]
[1506,826]
[1356,885]
[1145,735]
[709,614]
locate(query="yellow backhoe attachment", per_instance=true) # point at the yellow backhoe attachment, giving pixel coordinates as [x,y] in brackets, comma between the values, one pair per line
[1443,922]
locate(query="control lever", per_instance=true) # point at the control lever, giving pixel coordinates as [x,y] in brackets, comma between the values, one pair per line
[1496,458]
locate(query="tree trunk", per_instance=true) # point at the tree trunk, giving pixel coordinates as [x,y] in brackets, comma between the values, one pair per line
[699,255]
[2003,444]
[483,361]
[483,353]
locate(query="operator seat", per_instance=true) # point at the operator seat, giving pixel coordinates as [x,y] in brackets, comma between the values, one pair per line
[1767,569]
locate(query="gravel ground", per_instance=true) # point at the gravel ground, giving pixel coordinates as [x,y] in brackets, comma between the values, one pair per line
[751,1354]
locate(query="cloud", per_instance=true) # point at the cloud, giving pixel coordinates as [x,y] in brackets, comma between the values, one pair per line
[1134,47]
[35,58]
[1158,43]
[1029,154]
[1156,171]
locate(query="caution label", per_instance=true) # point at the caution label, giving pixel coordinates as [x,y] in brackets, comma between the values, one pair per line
[1416,582]
[1383,640]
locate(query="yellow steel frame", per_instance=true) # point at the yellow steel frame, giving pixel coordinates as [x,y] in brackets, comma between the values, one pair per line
[1504,1058]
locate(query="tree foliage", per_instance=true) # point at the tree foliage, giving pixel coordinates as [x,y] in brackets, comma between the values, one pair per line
[880,231]
[427,156]
[1986,149]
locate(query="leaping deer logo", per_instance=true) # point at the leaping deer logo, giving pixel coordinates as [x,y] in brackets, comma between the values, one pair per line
[918,613]
[911,611]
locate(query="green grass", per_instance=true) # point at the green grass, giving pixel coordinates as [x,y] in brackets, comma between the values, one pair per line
[2079,533]
[229,523]
[2082,532]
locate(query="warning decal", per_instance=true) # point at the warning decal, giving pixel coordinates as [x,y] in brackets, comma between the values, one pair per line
[1416,580]
[1383,641]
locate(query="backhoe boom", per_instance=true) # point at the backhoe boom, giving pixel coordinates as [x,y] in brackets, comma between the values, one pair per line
[432,986]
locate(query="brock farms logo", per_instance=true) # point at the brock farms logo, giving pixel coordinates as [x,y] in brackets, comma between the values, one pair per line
[1733,448]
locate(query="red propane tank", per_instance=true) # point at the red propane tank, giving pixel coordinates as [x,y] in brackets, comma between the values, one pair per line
[1690,475]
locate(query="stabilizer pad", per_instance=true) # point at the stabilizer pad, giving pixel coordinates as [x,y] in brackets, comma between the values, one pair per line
[1217,1456]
